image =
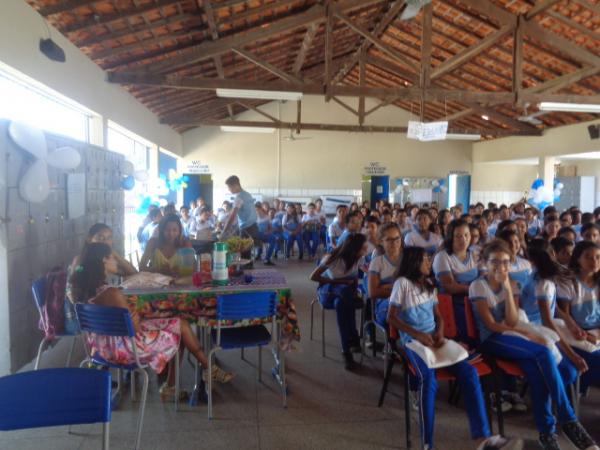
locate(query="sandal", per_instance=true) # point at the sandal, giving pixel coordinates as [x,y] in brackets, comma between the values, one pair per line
[218,375]
[167,394]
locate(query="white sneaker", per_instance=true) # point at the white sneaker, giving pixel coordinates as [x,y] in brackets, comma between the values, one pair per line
[500,443]
[517,402]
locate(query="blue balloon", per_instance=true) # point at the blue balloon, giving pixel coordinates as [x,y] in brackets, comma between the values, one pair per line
[128,183]
[437,189]
[442,181]
[537,184]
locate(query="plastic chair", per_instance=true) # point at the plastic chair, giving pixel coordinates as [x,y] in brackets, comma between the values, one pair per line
[111,321]
[52,397]
[37,289]
[244,306]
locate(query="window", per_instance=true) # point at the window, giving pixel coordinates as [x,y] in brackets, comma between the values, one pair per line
[24,99]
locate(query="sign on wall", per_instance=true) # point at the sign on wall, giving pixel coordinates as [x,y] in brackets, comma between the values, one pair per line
[196,167]
[375,168]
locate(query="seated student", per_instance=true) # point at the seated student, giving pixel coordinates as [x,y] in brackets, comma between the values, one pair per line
[202,226]
[386,216]
[265,233]
[311,227]
[563,250]
[533,223]
[577,218]
[414,312]
[292,231]
[186,220]
[276,228]
[402,221]
[161,253]
[157,340]
[521,224]
[590,232]
[322,220]
[354,222]
[551,227]
[580,301]
[443,219]
[506,225]
[371,231]
[520,268]
[337,276]
[422,236]
[337,227]
[568,233]
[223,216]
[475,244]
[455,267]
[566,220]
[538,300]
[149,230]
[496,313]
[383,268]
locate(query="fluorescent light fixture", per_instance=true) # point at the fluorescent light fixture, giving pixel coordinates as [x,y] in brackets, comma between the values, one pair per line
[462,137]
[261,95]
[569,107]
[484,117]
[237,129]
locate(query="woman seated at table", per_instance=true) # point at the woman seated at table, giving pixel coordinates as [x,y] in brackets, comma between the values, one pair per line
[156,340]
[337,276]
[161,254]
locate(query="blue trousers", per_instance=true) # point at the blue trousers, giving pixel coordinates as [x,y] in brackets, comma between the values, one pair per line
[467,378]
[592,376]
[545,381]
[381,311]
[271,241]
[342,298]
[290,239]
[311,240]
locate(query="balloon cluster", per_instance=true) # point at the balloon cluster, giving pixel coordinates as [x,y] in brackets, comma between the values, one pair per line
[439,185]
[175,182]
[541,196]
[130,175]
[35,184]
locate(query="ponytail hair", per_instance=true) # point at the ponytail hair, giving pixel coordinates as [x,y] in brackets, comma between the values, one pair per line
[90,274]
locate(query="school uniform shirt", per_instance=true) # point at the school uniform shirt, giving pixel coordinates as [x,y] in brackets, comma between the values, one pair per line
[538,290]
[382,266]
[406,228]
[335,231]
[414,307]
[263,224]
[520,271]
[480,291]
[312,222]
[290,223]
[185,224]
[416,239]
[463,271]
[338,271]
[533,227]
[201,230]
[584,301]
[276,224]
[149,231]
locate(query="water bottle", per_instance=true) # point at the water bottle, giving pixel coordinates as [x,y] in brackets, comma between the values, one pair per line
[220,274]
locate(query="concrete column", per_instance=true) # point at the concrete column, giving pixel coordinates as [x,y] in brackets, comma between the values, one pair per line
[546,171]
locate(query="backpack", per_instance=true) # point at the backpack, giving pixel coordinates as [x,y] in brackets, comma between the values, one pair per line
[52,322]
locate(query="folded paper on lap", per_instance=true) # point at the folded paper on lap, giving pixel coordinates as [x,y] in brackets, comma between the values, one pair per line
[584,345]
[450,353]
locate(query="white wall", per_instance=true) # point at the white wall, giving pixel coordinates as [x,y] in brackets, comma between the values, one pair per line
[329,160]
[79,78]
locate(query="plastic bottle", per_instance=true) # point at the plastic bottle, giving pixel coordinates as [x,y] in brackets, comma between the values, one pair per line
[220,274]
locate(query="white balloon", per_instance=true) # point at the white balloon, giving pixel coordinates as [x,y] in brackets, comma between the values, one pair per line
[29,138]
[557,192]
[35,185]
[65,158]
[127,168]
[444,189]
[538,196]
[560,186]
[141,175]
[548,195]
[435,183]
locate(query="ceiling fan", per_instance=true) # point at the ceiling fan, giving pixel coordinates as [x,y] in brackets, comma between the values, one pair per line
[412,8]
[292,138]
[532,118]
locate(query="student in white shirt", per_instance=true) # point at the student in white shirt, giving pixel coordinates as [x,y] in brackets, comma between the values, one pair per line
[423,237]
[520,268]
[311,227]
[322,219]
[337,276]
[265,232]
[292,231]
[415,314]
[336,228]
[186,220]
[202,227]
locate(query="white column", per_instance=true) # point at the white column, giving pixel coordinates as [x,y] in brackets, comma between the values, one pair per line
[546,171]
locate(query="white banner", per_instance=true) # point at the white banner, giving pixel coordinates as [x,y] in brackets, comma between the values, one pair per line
[430,131]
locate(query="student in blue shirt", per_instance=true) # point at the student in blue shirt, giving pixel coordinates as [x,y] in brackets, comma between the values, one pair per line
[292,231]
[336,228]
[580,301]
[354,221]
[414,312]
[496,313]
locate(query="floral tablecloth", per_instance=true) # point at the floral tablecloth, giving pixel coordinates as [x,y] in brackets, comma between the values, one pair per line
[198,304]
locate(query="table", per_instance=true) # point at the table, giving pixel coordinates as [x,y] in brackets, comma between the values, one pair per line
[198,306]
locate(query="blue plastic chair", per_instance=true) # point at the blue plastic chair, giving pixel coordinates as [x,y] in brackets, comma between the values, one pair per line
[37,289]
[112,321]
[52,397]
[243,306]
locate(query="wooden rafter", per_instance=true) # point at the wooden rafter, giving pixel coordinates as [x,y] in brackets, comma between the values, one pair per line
[311,31]
[328,50]
[540,7]
[517,75]
[266,66]
[426,45]
[362,82]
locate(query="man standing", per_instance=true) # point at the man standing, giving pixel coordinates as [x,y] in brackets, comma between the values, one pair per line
[243,209]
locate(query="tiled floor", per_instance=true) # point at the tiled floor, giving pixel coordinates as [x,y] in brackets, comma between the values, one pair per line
[328,407]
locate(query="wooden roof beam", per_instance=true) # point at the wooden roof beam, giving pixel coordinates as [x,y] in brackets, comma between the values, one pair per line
[564,80]
[311,31]
[266,66]
[586,4]
[64,6]
[205,50]
[540,7]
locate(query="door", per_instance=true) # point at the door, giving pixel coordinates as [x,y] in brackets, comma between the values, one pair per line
[459,190]
[198,186]
[380,189]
